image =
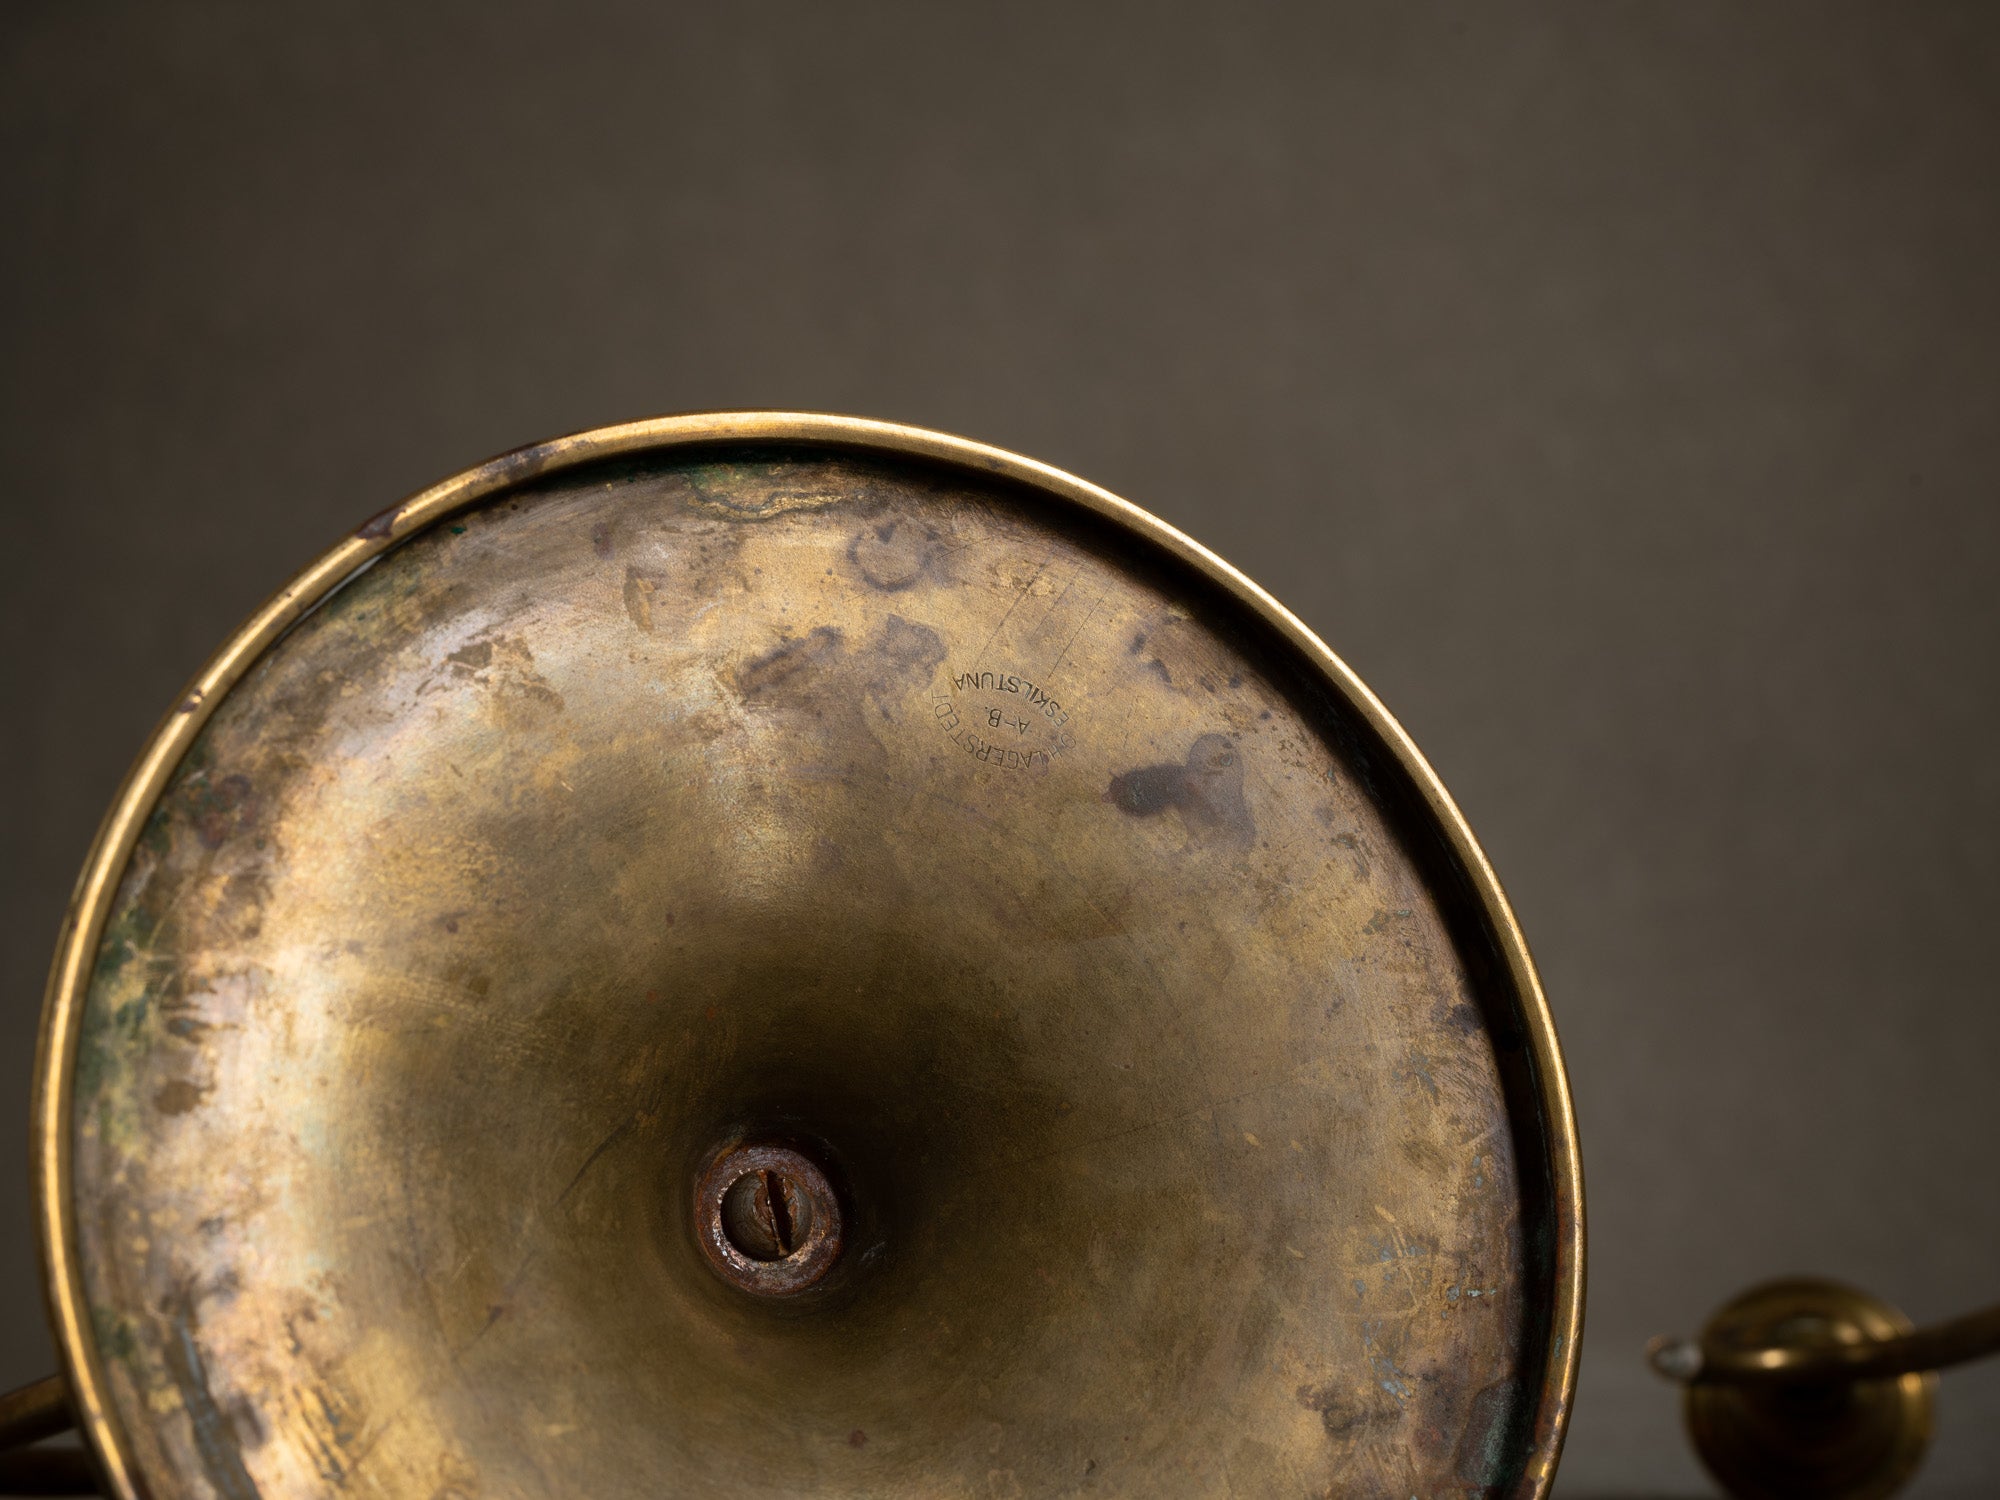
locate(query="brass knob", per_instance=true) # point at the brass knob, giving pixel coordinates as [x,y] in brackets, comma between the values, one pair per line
[1809,1387]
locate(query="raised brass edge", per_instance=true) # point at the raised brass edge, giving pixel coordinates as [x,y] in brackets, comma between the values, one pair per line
[104,867]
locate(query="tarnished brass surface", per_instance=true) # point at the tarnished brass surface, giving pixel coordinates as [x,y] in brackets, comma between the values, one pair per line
[786,777]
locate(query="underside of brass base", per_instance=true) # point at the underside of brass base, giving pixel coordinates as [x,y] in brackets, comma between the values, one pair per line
[760,956]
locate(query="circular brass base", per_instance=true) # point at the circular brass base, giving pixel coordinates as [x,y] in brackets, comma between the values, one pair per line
[1111,974]
[1856,1441]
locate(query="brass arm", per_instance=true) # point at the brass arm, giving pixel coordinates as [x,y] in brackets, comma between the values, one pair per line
[1934,1348]
[35,1411]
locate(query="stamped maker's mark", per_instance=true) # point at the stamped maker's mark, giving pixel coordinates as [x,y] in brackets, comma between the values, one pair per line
[1002,719]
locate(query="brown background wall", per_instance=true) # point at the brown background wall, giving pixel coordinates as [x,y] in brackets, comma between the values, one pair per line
[1616,386]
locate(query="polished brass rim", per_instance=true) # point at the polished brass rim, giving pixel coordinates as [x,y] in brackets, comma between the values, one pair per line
[97,886]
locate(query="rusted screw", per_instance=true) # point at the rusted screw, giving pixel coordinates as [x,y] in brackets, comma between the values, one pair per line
[765,1215]
[767,1219]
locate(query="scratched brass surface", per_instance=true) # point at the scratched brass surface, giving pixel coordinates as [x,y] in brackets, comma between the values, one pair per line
[1204,1126]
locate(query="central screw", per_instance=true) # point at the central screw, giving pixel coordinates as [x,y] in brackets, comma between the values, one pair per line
[765,1215]
[767,1219]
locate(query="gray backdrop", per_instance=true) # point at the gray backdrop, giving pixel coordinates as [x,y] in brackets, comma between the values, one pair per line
[1616,386]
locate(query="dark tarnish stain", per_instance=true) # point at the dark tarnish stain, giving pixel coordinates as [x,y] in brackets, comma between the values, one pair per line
[1383,920]
[1425,1156]
[600,540]
[1483,1452]
[789,664]
[523,463]
[905,653]
[512,668]
[1207,791]
[1343,1415]
[474,658]
[218,809]
[893,555]
[178,1097]
[1148,791]
[1173,649]
[377,527]
[839,691]
[215,1436]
